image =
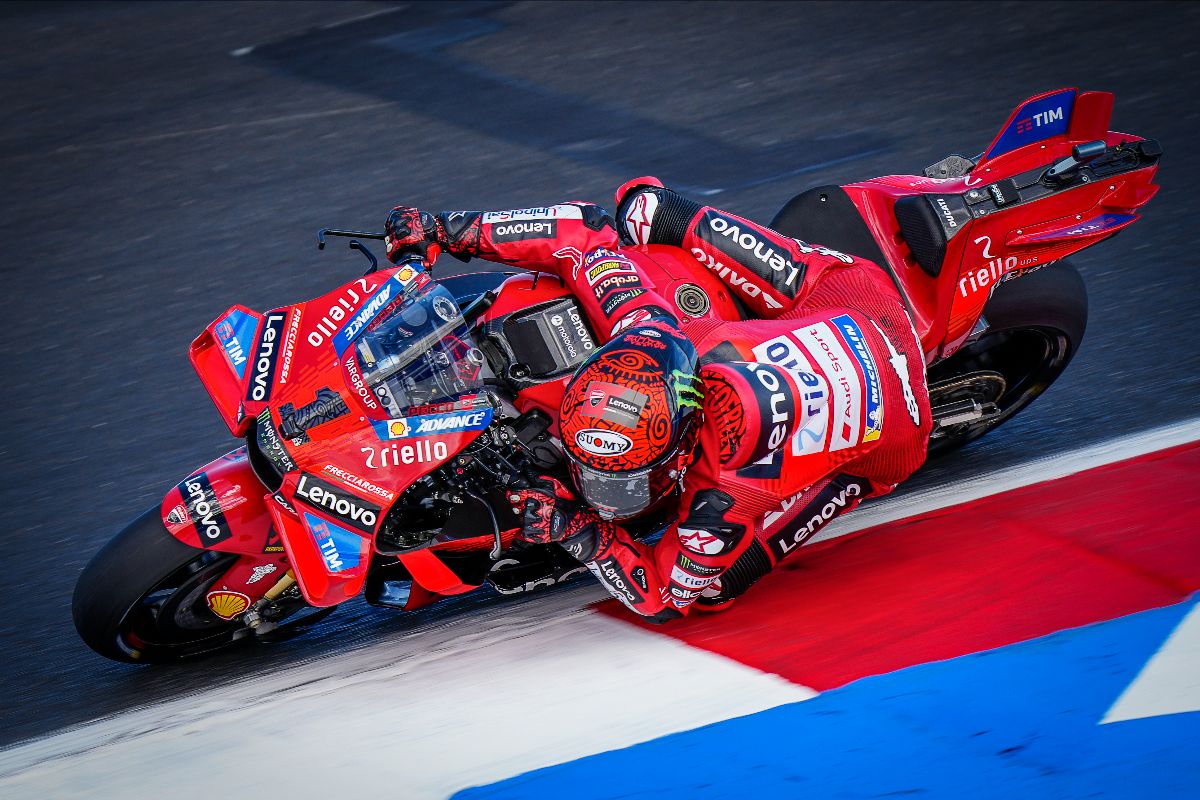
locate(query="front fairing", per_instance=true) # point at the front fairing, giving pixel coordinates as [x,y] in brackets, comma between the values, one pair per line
[353,397]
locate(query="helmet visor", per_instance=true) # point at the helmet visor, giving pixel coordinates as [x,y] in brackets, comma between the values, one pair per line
[620,495]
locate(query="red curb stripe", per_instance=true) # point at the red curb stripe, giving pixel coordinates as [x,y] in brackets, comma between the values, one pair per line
[1099,544]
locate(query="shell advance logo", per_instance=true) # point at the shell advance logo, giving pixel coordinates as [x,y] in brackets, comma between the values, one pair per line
[430,424]
[366,315]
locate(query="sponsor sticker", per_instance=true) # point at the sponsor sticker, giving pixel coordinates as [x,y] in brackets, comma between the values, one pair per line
[602,443]
[350,362]
[366,315]
[617,299]
[226,604]
[1036,121]
[564,211]
[786,352]
[612,403]
[837,495]
[607,267]
[338,503]
[825,349]
[204,510]
[177,515]
[616,281]
[899,364]
[271,444]
[274,543]
[688,580]
[339,547]
[696,569]
[743,244]
[873,400]
[346,303]
[522,230]
[700,541]
[616,581]
[359,483]
[571,334]
[260,572]
[235,331]
[640,216]
[262,370]
[421,451]
[289,347]
[431,424]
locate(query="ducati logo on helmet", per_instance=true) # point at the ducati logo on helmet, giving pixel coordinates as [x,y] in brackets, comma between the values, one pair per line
[602,443]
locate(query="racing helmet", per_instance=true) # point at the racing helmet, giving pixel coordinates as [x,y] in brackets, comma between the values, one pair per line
[631,418]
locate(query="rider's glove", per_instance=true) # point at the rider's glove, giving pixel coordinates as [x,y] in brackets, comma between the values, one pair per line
[410,231]
[550,511]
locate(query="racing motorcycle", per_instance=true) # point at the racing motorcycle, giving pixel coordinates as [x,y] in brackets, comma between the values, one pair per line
[382,422]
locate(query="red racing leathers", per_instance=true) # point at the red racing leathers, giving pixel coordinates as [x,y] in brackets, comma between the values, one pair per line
[813,405]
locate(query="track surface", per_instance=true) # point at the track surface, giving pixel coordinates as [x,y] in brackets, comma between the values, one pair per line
[152,178]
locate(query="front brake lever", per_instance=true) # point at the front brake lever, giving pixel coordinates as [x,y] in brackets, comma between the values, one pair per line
[321,234]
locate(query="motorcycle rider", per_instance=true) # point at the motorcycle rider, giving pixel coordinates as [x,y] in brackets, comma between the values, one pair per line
[769,427]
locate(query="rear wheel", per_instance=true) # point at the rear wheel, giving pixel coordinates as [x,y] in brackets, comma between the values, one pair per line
[1035,324]
[141,599]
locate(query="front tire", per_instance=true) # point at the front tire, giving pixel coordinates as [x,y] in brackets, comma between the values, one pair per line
[141,599]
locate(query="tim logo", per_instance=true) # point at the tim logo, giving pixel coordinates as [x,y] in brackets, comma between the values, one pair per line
[1039,119]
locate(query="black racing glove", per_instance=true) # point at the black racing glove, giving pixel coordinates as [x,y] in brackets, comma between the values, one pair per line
[550,512]
[410,231]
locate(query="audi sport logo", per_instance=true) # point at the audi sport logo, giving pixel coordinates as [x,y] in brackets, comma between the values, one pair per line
[602,443]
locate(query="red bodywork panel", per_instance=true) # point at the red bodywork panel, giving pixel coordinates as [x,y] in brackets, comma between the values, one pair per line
[346,469]
[1010,239]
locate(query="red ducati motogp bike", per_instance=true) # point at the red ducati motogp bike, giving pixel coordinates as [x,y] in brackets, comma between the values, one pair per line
[382,422]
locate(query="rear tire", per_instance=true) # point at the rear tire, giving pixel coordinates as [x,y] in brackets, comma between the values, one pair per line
[141,599]
[1035,324]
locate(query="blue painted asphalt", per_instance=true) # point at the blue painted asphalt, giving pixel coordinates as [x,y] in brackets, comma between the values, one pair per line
[1017,722]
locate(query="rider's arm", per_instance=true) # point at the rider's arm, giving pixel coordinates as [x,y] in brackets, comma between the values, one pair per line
[575,241]
[765,269]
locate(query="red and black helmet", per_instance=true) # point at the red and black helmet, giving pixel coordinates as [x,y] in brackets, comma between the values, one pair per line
[630,419]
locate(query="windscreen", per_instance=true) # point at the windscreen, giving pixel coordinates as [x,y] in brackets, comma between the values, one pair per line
[420,351]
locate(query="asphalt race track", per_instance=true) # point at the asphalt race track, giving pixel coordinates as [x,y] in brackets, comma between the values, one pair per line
[161,162]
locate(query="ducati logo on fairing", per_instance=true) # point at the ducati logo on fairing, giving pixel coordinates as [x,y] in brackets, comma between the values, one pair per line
[602,443]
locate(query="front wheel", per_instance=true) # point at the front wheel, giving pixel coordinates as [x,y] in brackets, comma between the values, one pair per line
[1035,323]
[141,599]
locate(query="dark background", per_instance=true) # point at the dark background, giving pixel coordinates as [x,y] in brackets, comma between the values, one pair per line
[155,172]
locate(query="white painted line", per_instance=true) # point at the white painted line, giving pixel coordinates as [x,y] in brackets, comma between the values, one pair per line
[242,51]
[469,703]
[1037,470]
[360,18]
[1169,683]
